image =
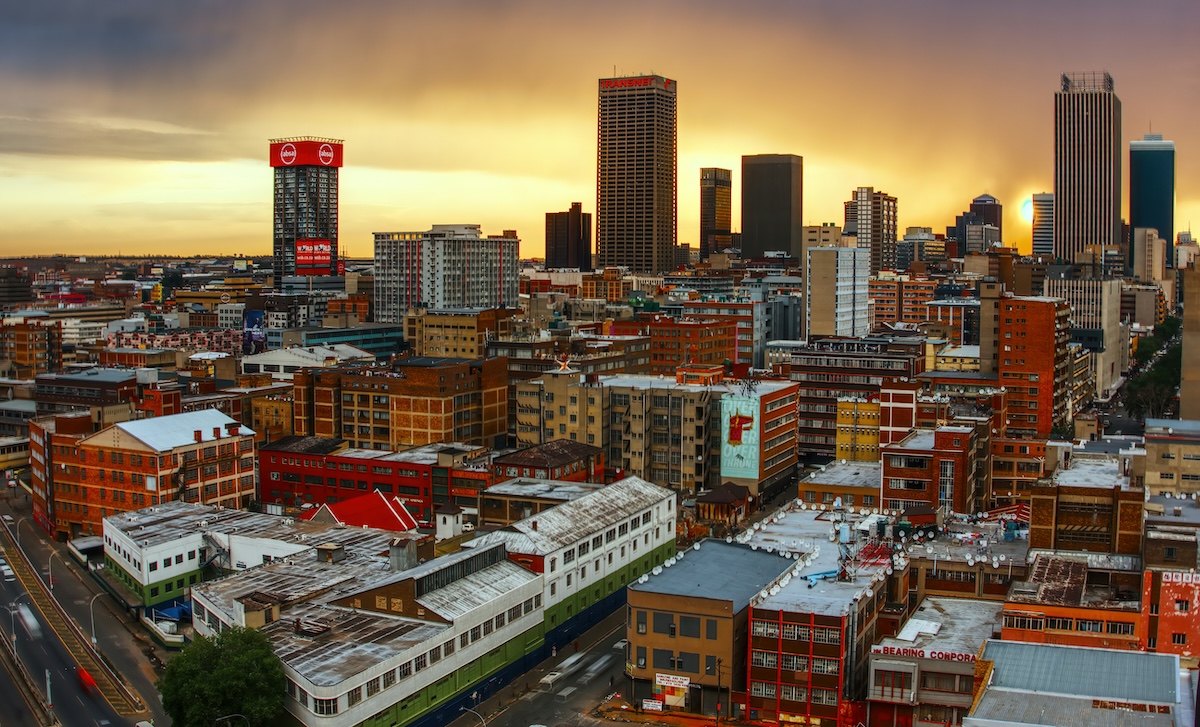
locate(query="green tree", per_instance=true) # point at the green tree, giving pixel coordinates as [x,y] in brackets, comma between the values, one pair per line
[235,673]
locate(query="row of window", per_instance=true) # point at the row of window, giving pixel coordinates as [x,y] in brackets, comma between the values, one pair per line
[794,662]
[1095,626]
[421,662]
[793,693]
[796,632]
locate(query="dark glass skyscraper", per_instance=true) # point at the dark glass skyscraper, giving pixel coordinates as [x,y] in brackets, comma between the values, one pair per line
[636,203]
[990,211]
[569,238]
[772,204]
[716,210]
[1152,188]
[306,206]
[1087,164]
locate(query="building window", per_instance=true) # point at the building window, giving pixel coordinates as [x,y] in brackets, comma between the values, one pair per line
[762,689]
[1181,605]
[325,706]
[827,697]
[1120,628]
[766,659]
[1179,639]
[767,629]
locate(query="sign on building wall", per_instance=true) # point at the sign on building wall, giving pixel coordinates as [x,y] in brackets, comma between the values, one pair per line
[739,436]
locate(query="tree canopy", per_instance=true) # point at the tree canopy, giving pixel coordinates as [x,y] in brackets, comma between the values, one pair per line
[1152,394]
[234,673]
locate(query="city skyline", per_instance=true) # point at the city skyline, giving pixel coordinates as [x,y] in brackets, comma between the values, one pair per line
[142,128]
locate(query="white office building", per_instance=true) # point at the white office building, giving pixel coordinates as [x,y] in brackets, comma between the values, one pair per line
[450,266]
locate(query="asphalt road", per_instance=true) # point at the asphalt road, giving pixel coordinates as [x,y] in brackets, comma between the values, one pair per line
[13,710]
[45,657]
[74,590]
[534,707]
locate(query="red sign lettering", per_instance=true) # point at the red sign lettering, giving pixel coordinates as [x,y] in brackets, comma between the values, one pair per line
[637,82]
[914,653]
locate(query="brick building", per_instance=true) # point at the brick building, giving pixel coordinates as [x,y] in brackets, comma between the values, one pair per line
[296,472]
[932,467]
[901,298]
[827,369]
[416,401]
[202,456]
[694,431]
[29,347]
[675,342]
[610,284]
[1088,506]
[456,333]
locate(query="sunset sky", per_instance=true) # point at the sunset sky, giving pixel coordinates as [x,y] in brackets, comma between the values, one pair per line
[142,127]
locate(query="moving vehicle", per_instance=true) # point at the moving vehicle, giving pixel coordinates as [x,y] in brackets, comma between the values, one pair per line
[31,623]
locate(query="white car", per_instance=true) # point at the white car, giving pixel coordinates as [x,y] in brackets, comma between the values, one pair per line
[468,527]
[7,573]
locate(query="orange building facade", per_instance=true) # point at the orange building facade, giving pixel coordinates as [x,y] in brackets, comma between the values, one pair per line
[202,457]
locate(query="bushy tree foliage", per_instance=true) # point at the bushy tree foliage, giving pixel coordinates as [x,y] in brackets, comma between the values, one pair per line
[234,673]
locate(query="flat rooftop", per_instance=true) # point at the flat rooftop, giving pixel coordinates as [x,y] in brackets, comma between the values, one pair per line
[1160,510]
[1061,580]
[867,475]
[805,533]
[1092,471]
[949,624]
[1072,686]
[716,570]
[543,489]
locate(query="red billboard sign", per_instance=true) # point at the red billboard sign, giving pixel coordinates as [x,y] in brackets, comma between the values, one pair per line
[315,153]
[313,257]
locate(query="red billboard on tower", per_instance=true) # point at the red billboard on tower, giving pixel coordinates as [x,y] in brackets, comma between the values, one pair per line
[306,151]
[313,257]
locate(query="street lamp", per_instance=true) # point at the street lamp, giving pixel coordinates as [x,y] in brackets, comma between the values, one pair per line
[50,569]
[92,611]
[482,721]
[229,718]
[12,614]
[18,529]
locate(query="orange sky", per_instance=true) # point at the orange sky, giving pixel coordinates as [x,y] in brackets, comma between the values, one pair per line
[143,127]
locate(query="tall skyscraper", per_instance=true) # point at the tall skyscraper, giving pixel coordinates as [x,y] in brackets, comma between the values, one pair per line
[716,210]
[569,239]
[1152,188]
[636,160]
[772,204]
[1087,164]
[306,206]
[1043,224]
[874,224]
[990,211]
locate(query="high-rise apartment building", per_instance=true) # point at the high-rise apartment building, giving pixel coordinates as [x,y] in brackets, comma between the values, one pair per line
[716,210]
[1043,224]
[874,223]
[450,266]
[1096,324]
[1152,188]
[1087,164]
[569,239]
[772,204]
[989,209]
[306,206]
[636,160]
[837,289]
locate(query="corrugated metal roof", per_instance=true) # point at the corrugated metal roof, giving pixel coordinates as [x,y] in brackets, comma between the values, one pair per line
[478,589]
[554,529]
[1129,676]
[163,434]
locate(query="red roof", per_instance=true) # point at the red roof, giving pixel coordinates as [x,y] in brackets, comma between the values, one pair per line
[375,510]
